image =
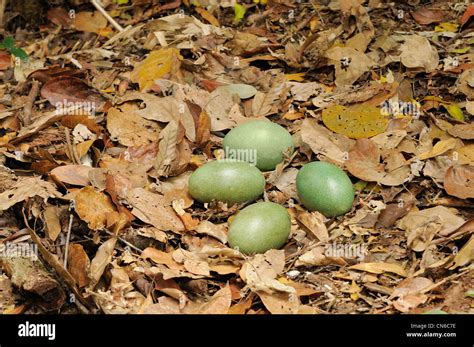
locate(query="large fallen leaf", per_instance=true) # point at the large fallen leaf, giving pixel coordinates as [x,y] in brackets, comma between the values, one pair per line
[26,188]
[378,268]
[160,257]
[260,272]
[162,63]
[314,222]
[193,263]
[417,52]
[463,131]
[219,108]
[324,142]
[317,257]
[156,108]
[364,163]
[102,258]
[439,148]
[265,104]
[93,207]
[52,222]
[152,209]
[359,121]
[459,181]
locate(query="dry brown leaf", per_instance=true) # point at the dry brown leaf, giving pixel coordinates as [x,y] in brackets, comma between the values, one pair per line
[324,142]
[218,231]
[192,262]
[25,188]
[152,209]
[417,52]
[364,163]
[77,175]
[260,272]
[266,104]
[357,64]
[167,148]
[165,305]
[78,264]
[52,223]
[102,258]
[459,181]
[280,303]
[425,16]
[93,22]
[130,129]
[463,131]
[317,257]
[314,222]
[218,304]
[93,207]
[160,257]
[378,268]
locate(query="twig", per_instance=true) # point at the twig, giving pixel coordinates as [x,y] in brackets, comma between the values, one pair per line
[68,237]
[112,21]
[28,110]
[458,35]
[70,147]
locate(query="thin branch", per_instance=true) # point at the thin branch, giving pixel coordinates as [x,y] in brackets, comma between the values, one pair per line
[112,21]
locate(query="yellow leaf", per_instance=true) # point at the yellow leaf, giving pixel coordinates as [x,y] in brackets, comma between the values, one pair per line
[207,16]
[378,268]
[447,26]
[298,77]
[454,111]
[239,12]
[360,121]
[461,50]
[158,64]
[438,149]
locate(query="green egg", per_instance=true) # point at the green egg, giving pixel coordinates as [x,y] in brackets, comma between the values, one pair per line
[260,227]
[326,188]
[227,181]
[260,143]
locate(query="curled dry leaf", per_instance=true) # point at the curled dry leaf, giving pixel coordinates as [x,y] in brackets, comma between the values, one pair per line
[218,304]
[151,208]
[324,142]
[280,303]
[364,163]
[357,64]
[93,207]
[167,148]
[218,231]
[317,257]
[102,258]
[52,222]
[314,222]
[459,181]
[465,255]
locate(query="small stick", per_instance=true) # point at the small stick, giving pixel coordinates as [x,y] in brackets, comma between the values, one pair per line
[28,110]
[68,237]
[112,21]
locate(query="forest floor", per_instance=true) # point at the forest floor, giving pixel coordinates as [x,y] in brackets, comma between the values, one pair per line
[103,120]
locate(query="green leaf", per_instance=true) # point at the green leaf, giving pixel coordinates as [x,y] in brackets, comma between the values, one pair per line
[8,42]
[470,293]
[435,311]
[18,52]
[121,2]
[360,185]
[239,12]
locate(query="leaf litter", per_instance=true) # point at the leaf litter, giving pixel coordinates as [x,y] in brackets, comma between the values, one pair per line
[94,160]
